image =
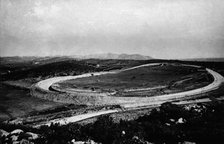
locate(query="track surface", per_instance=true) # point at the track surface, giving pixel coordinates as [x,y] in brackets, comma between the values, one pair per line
[156,100]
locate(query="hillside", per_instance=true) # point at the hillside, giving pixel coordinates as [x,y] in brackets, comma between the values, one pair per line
[58,68]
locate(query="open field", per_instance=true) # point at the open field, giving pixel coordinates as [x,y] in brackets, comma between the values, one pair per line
[143,81]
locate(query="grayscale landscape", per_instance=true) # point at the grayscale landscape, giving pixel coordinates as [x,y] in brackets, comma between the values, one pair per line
[111,72]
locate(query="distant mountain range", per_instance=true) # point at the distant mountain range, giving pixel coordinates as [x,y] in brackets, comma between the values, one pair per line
[115,56]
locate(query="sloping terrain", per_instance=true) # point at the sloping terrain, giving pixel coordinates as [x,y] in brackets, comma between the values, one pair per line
[65,67]
[18,102]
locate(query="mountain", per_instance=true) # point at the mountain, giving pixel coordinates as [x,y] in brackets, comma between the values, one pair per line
[116,56]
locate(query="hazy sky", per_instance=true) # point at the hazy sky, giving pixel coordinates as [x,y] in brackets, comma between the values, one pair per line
[158,28]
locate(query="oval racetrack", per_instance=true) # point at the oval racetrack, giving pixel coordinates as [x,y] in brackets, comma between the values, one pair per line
[154,101]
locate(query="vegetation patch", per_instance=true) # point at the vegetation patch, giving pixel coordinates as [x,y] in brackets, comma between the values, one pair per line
[198,123]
